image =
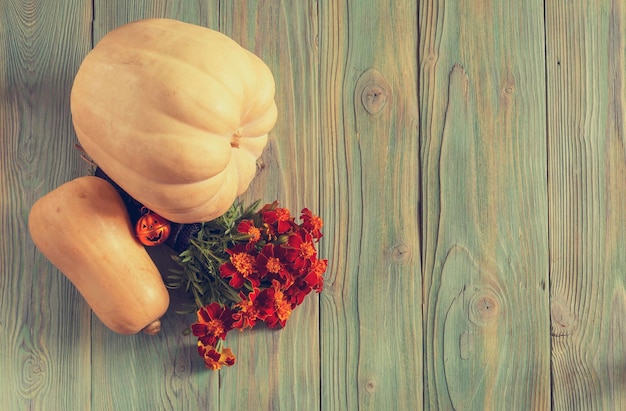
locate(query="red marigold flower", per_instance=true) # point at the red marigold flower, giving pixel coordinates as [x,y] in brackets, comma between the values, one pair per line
[278,219]
[312,223]
[315,275]
[214,322]
[240,267]
[296,293]
[264,302]
[282,308]
[247,227]
[251,309]
[300,249]
[214,359]
[271,262]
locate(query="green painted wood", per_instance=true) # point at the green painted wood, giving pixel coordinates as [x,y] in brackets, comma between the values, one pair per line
[371,308]
[587,173]
[44,323]
[485,213]
[109,14]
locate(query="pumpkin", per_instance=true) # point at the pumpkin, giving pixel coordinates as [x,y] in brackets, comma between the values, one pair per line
[83,228]
[176,114]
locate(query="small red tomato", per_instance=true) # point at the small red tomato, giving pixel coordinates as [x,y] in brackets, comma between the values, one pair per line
[152,229]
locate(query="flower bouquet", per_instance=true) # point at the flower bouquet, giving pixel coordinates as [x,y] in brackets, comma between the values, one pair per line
[249,265]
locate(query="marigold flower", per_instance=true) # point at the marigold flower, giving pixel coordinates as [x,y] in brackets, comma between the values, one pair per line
[251,309]
[312,223]
[247,267]
[214,322]
[282,308]
[278,219]
[215,359]
[247,227]
[315,275]
[301,249]
[271,263]
[296,293]
[240,267]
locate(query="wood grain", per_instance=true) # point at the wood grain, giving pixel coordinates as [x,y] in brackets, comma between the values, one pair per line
[483,152]
[371,309]
[109,14]
[44,324]
[587,171]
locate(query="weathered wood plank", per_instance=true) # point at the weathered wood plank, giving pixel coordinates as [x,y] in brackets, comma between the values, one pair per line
[44,323]
[279,369]
[485,240]
[371,309]
[164,371]
[109,14]
[587,173]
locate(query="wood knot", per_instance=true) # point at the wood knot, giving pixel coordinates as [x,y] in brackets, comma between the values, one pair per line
[430,57]
[33,373]
[370,386]
[484,307]
[562,319]
[400,252]
[507,91]
[181,368]
[374,98]
[373,90]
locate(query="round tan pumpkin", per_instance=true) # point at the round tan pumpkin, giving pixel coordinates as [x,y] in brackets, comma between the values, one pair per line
[83,228]
[176,114]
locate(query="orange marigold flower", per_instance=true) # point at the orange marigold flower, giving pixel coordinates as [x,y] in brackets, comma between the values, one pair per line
[315,275]
[282,307]
[278,219]
[301,250]
[247,227]
[312,223]
[296,293]
[214,322]
[271,263]
[215,359]
[243,263]
[250,309]
[241,267]
[307,250]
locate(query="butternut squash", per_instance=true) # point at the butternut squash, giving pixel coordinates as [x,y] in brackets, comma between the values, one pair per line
[83,228]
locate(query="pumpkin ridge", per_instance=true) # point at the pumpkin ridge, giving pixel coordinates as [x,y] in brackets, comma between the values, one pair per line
[255,61]
[169,92]
[98,152]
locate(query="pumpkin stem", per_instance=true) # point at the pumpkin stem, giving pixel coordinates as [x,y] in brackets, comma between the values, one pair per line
[153,328]
[234,143]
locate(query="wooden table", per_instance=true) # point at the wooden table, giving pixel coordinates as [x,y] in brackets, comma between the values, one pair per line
[468,158]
